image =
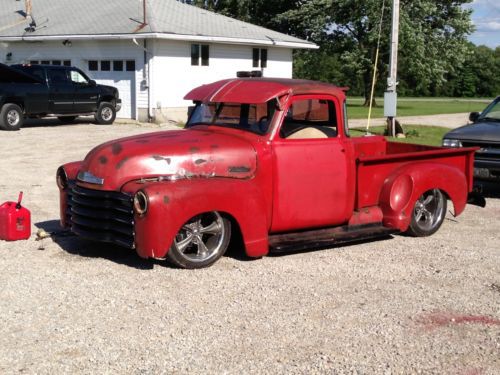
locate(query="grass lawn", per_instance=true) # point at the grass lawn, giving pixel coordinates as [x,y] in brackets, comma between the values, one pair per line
[416,106]
[423,135]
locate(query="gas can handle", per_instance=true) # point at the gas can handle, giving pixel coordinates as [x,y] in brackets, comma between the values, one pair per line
[19,199]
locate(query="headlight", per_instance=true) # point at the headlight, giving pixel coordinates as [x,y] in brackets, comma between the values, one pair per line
[61,178]
[451,143]
[140,203]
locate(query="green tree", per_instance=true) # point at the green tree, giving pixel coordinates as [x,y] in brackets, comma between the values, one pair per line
[432,38]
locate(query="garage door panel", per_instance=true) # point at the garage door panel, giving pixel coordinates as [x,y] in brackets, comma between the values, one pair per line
[125,83]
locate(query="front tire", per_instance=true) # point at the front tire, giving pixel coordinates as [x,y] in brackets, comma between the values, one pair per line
[105,114]
[11,117]
[201,241]
[428,213]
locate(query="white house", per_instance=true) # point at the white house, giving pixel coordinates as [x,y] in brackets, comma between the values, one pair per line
[153,51]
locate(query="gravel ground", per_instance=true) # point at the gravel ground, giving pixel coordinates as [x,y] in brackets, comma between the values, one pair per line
[393,306]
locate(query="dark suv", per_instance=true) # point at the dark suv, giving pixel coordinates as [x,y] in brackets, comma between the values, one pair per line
[484,132]
[35,91]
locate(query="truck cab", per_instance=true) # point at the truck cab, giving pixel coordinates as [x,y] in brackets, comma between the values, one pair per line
[269,158]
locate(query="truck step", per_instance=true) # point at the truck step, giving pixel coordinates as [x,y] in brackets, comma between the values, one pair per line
[320,238]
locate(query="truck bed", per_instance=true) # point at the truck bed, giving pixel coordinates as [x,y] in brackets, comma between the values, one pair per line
[377,159]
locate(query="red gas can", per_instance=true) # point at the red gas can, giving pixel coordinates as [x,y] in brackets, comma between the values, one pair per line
[15,221]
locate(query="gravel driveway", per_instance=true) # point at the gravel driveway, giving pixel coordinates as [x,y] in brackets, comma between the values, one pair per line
[393,306]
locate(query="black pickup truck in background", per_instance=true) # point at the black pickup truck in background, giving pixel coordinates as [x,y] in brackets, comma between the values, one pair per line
[35,91]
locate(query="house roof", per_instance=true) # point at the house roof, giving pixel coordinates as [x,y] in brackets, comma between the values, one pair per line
[123,19]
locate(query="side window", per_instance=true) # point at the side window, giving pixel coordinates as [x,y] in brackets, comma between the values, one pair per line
[310,118]
[58,76]
[38,72]
[76,77]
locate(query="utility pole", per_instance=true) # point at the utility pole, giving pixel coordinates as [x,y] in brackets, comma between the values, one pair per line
[390,96]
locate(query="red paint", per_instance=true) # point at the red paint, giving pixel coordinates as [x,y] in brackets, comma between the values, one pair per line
[15,221]
[442,319]
[266,183]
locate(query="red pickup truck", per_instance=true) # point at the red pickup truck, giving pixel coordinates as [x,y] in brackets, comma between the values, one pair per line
[269,161]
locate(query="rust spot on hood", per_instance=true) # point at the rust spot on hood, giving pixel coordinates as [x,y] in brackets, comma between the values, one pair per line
[103,159]
[116,148]
[158,157]
[194,150]
[239,169]
[122,162]
[166,199]
[200,161]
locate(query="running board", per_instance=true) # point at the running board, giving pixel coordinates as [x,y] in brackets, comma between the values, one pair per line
[319,238]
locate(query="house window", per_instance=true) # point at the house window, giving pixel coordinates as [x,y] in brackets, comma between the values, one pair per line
[33,62]
[56,62]
[45,62]
[93,65]
[105,65]
[200,52]
[130,65]
[118,66]
[67,62]
[259,57]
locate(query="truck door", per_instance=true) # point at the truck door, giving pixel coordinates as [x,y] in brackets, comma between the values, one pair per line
[61,91]
[311,173]
[86,92]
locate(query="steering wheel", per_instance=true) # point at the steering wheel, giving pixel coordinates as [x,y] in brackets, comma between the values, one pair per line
[262,124]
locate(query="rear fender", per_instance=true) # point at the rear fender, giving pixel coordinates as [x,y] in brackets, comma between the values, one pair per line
[408,183]
[171,204]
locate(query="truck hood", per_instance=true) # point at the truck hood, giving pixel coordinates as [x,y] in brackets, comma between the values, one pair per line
[168,155]
[483,131]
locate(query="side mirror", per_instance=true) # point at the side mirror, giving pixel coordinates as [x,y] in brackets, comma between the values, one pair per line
[92,83]
[474,116]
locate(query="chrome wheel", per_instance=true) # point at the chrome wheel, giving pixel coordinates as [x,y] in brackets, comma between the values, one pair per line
[106,113]
[201,241]
[428,213]
[13,118]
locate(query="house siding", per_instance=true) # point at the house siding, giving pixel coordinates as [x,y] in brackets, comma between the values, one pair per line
[171,73]
[173,76]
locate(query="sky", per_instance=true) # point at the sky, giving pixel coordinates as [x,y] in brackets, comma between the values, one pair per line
[486,18]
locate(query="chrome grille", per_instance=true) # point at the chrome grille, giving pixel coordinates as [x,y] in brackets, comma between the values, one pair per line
[106,216]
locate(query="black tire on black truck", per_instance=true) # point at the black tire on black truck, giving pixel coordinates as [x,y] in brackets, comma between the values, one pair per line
[11,117]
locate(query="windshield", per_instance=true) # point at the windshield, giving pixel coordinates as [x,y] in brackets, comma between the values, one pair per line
[254,118]
[492,112]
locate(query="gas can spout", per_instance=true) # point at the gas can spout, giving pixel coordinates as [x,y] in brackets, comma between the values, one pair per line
[19,199]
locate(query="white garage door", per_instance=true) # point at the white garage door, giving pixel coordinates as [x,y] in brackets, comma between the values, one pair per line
[124,82]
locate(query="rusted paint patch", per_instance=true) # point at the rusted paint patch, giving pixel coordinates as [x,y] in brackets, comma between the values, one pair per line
[116,148]
[166,199]
[122,162]
[239,169]
[158,157]
[103,159]
[200,161]
[442,319]
[194,150]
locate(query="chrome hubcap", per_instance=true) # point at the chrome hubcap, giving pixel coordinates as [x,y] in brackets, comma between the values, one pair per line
[13,118]
[201,238]
[106,113]
[429,209]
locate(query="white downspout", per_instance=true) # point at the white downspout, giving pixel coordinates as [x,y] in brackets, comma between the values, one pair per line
[146,75]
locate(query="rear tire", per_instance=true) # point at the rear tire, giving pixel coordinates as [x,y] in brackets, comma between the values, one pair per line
[66,119]
[105,114]
[428,213]
[11,117]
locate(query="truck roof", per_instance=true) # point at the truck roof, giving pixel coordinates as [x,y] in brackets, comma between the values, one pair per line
[259,90]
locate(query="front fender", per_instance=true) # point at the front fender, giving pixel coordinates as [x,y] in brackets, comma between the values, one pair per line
[402,189]
[172,203]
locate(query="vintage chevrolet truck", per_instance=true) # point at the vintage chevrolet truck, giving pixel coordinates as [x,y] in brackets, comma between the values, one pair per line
[267,161]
